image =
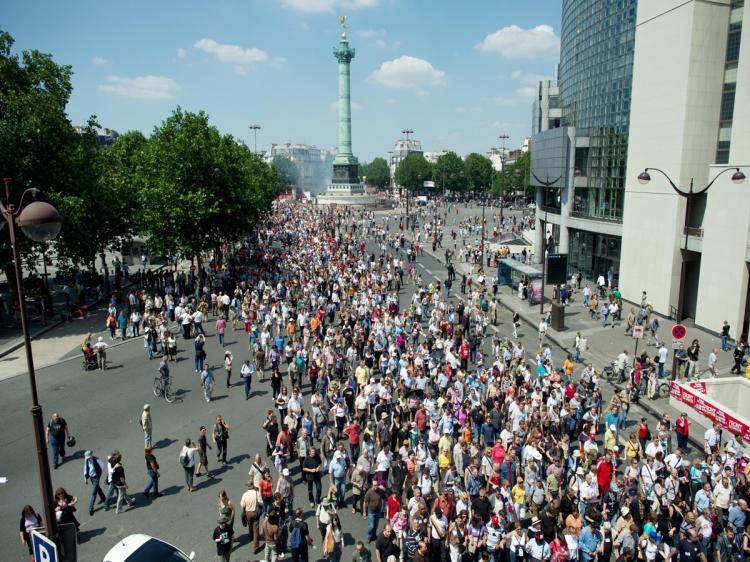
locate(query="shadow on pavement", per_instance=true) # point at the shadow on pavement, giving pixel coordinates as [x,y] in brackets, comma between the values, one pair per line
[88,534]
[162,443]
[239,458]
[171,490]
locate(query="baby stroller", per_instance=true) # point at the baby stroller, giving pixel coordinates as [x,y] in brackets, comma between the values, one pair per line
[89,362]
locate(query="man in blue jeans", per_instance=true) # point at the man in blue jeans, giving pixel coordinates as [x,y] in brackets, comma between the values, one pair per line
[337,472]
[57,433]
[93,467]
[372,508]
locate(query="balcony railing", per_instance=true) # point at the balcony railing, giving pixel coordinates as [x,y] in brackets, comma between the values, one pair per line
[693,231]
[550,209]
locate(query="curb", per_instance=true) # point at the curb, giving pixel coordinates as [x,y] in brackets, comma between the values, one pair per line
[19,344]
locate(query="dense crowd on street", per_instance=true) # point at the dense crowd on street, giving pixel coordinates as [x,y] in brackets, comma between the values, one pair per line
[394,398]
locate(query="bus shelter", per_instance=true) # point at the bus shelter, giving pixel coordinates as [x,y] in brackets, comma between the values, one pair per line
[512,273]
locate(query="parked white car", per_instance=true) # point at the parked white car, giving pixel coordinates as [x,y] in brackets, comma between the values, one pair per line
[142,548]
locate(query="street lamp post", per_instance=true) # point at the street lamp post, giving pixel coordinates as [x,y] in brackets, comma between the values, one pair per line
[255,128]
[644,177]
[545,245]
[407,132]
[40,222]
[502,137]
[481,260]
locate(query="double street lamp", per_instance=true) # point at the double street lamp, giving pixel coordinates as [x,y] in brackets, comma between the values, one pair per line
[40,222]
[690,195]
[255,128]
[407,132]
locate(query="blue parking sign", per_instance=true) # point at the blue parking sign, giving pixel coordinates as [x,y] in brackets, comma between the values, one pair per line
[44,549]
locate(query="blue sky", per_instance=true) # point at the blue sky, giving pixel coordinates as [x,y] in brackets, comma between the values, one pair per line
[459,73]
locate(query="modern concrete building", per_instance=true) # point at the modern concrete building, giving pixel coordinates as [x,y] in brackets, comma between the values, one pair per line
[690,118]
[546,112]
[580,142]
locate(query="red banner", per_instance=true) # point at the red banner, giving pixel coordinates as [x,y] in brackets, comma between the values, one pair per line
[715,414]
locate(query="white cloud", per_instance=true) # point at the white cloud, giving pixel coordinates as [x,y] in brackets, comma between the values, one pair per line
[312,6]
[334,106]
[381,43]
[526,92]
[304,26]
[391,101]
[98,61]
[514,42]
[460,109]
[141,87]
[516,74]
[370,33]
[506,125]
[408,73]
[231,53]
[182,53]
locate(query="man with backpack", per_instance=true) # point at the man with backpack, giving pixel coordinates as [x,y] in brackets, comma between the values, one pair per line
[299,538]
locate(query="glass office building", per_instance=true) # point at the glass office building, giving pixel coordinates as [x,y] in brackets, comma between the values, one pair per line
[594,79]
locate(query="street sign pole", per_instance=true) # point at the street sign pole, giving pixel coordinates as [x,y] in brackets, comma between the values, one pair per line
[45,550]
[678,332]
[637,336]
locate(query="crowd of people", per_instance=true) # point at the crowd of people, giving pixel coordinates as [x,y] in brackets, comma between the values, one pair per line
[392,399]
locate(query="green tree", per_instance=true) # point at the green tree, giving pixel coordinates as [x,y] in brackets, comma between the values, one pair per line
[478,170]
[377,173]
[514,177]
[287,172]
[39,148]
[412,172]
[197,188]
[449,173]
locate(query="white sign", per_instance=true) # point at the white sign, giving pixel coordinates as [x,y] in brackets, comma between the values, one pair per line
[677,343]
[429,183]
[637,332]
[44,549]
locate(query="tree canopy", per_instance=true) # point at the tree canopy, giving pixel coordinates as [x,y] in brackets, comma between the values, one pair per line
[478,170]
[186,188]
[514,177]
[449,173]
[286,171]
[377,173]
[413,171]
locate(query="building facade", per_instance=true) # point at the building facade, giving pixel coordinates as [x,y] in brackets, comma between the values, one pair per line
[690,118]
[313,163]
[580,143]
[401,150]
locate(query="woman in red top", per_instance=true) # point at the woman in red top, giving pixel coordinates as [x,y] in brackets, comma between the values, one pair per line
[682,428]
[266,491]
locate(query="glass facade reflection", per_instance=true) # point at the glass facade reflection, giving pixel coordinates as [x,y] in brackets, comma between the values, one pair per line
[592,254]
[596,69]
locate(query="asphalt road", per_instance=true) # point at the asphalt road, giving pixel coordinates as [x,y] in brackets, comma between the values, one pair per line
[103,412]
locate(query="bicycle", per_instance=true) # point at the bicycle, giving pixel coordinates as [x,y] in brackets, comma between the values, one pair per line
[163,389]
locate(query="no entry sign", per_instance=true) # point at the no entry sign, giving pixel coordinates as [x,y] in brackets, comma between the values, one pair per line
[679,331]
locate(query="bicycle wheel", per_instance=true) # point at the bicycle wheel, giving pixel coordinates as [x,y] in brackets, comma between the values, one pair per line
[168,394]
[157,388]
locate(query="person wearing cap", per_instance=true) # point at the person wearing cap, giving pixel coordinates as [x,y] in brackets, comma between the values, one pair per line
[650,547]
[285,488]
[588,542]
[93,467]
[536,547]
[146,425]
[223,536]
[100,348]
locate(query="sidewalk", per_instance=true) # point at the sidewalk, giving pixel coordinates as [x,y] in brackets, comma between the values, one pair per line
[54,342]
[604,343]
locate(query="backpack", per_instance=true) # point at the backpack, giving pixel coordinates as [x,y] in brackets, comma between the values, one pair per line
[737,547]
[185,460]
[295,537]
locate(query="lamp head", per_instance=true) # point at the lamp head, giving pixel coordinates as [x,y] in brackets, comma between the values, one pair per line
[40,221]
[644,177]
[738,176]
